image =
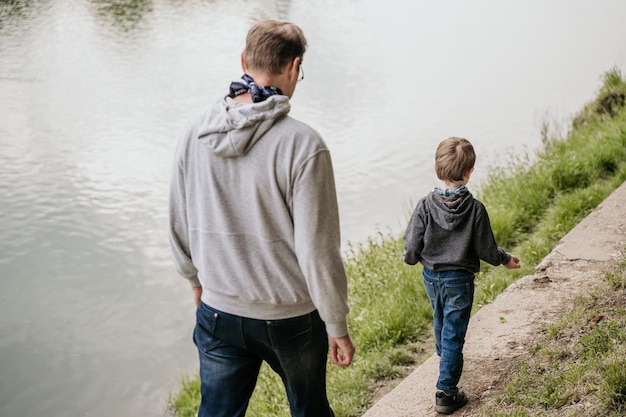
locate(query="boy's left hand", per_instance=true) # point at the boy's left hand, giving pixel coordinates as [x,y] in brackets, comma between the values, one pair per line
[514,263]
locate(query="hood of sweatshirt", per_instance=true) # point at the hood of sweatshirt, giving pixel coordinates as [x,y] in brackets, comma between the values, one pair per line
[231,129]
[448,212]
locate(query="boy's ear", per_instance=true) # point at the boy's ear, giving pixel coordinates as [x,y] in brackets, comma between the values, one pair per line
[469,172]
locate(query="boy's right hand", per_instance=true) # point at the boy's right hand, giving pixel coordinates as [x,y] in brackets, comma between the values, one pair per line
[513,263]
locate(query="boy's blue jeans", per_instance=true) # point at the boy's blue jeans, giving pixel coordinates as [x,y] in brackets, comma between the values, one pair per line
[451,295]
[232,349]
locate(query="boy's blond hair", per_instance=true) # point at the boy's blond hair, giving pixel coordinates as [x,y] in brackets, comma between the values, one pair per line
[272,44]
[454,158]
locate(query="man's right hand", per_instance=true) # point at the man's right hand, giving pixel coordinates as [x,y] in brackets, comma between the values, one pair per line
[341,350]
[197,293]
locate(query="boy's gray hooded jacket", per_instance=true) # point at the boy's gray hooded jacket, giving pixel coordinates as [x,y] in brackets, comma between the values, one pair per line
[451,233]
[253,214]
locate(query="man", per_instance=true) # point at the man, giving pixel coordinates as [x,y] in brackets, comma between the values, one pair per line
[254,227]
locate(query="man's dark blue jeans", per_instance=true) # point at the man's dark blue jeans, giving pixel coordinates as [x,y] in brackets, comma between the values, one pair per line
[232,349]
[451,295]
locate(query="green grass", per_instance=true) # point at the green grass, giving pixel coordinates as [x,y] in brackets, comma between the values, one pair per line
[532,202]
[579,366]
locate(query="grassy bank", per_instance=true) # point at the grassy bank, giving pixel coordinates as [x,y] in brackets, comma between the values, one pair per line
[579,367]
[532,201]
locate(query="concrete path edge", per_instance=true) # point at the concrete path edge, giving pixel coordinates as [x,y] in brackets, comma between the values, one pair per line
[500,332]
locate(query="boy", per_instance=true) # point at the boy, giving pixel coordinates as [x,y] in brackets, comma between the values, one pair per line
[449,233]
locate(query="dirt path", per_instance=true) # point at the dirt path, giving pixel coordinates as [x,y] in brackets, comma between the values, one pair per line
[501,332]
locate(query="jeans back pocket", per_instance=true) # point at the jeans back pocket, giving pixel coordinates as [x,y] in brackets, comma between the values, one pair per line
[204,332]
[459,295]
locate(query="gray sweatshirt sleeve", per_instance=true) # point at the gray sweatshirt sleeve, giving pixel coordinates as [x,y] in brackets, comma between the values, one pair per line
[318,243]
[414,236]
[484,241]
[178,231]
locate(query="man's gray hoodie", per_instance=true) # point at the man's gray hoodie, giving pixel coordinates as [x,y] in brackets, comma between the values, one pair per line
[451,233]
[253,214]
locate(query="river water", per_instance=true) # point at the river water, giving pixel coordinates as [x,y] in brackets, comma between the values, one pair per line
[93,319]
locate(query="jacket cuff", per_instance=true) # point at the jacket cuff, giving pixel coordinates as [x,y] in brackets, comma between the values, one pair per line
[506,259]
[337,329]
[194,281]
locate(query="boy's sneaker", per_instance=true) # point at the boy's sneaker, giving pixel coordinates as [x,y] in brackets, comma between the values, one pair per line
[448,404]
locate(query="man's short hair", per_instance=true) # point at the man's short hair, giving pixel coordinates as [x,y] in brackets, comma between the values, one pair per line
[454,158]
[272,44]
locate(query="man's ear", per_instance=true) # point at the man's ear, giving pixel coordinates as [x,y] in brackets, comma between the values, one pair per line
[294,67]
[243,64]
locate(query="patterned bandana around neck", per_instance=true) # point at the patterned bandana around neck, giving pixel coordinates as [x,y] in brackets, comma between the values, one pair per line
[258,93]
[452,192]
